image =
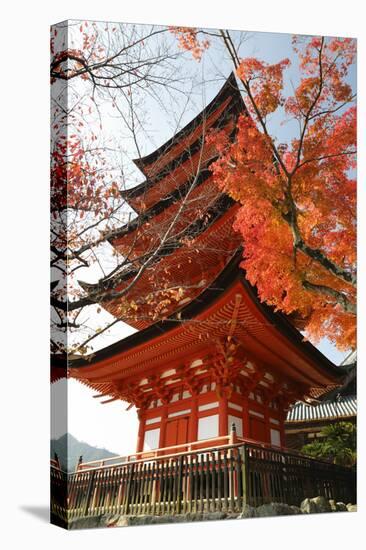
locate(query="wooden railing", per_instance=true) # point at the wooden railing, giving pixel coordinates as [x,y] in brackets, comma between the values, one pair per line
[220,478]
[172,450]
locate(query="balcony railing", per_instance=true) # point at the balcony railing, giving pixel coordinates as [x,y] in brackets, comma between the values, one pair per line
[222,477]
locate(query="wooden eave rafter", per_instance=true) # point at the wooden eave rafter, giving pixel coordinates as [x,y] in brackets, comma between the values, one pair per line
[157,387]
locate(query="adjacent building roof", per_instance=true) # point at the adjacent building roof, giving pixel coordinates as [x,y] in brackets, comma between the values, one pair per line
[351,359]
[345,407]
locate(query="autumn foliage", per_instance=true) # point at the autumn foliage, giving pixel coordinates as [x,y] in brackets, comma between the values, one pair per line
[298,213]
[79,178]
[188,39]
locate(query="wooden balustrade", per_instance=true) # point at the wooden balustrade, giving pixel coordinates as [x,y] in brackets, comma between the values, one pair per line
[223,478]
[172,450]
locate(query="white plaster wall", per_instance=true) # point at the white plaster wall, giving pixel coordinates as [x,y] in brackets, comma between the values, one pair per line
[208,426]
[151,440]
[275,437]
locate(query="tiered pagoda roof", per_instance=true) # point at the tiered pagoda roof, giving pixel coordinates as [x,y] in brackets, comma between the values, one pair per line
[184,223]
[167,167]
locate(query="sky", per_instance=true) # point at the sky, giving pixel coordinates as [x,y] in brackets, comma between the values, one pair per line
[110,425]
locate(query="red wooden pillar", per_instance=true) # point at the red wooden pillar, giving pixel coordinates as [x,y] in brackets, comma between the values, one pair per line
[141,434]
[266,421]
[193,420]
[246,418]
[163,422]
[223,417]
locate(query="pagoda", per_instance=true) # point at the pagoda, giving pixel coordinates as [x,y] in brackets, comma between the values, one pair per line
[212,355]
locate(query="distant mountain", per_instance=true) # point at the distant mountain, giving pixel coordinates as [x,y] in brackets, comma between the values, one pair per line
[69,449]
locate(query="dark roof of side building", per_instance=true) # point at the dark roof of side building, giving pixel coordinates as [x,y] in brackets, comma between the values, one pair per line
[344,407]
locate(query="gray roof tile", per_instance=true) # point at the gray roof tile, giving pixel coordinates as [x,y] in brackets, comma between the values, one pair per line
[345,407]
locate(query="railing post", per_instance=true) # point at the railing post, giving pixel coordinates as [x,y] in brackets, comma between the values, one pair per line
[233,438]
[89,492]
[231,480]
[245,475]
[213,480]
[179,485]
[80,461]
[153,482]
[284,478]
[226,476]
[128,490]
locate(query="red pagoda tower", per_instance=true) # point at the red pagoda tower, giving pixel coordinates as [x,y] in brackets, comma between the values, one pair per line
[213,354]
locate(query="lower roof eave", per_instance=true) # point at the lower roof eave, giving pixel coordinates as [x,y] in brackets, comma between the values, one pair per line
[229,276]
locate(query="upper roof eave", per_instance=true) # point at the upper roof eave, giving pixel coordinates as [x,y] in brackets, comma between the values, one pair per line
[229,85]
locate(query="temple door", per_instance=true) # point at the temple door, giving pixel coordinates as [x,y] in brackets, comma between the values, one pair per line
[176,431]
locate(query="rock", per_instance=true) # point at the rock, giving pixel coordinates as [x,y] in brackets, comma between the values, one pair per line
[110,521]
[332,504]
[150,520]
[322,504]
[191,516]
[213,516]
[337,506]
[90,522]
[308,507]
[316,505]
[276,509]
[123,521]
[248,512]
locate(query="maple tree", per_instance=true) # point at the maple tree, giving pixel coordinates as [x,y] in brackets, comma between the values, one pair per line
[298,213]
[96,69]
[188,38]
